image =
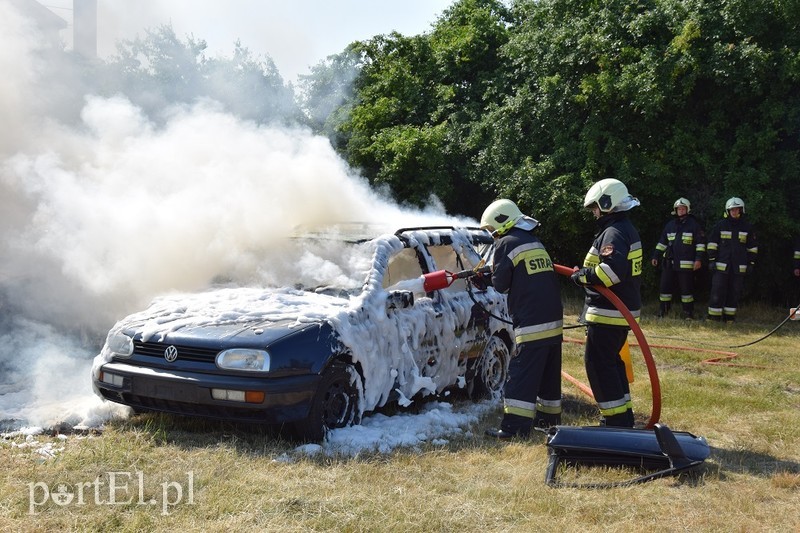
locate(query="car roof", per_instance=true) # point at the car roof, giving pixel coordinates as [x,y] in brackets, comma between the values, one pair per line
[352,232]
[357,232]
[445,233]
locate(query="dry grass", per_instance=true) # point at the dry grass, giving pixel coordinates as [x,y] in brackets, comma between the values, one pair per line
[249,479]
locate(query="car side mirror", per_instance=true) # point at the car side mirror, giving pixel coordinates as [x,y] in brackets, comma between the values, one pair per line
[399,300]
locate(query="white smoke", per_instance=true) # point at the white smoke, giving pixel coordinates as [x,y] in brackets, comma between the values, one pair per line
[98,218]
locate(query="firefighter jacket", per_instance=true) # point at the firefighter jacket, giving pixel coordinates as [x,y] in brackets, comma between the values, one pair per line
[682,243]
[523,270]
[732,247]
[614,261]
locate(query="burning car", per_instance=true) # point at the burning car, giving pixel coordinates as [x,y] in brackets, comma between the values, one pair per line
[358,329]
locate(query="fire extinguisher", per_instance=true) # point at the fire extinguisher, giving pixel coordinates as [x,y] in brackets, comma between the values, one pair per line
[441,279]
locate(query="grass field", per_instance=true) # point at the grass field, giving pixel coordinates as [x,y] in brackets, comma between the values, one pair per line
[180,474]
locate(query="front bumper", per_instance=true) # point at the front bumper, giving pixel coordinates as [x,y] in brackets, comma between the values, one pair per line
[286,399]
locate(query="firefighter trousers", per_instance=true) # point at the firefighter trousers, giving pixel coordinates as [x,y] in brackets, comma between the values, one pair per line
[533,390]
[723,301]
[606,372]
[685,283]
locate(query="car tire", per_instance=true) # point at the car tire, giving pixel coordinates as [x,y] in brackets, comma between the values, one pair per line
[337,403]
[491,370]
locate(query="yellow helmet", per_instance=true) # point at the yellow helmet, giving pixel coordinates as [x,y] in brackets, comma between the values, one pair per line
[607,194]
[500,216]
[684,202]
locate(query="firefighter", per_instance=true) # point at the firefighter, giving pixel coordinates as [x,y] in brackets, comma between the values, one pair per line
[523,270]
[732,252]
[614,261]
[680,252]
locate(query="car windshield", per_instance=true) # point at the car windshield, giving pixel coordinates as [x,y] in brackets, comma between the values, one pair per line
[332,262]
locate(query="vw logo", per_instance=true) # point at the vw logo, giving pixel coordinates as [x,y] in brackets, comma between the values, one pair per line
[170,354]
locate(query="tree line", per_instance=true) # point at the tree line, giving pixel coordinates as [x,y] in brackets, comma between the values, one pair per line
[534,100]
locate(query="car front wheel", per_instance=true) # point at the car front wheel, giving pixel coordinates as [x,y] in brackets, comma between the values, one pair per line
[337,403]
[491,370]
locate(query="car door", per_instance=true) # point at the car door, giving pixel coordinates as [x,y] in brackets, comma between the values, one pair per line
[460,329]
[414,322]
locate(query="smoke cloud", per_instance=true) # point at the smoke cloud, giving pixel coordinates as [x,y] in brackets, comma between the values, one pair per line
[99,216]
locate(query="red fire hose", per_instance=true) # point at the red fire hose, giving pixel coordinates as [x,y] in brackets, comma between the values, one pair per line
[643,345]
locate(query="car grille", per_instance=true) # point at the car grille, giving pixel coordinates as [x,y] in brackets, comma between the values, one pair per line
[185,353]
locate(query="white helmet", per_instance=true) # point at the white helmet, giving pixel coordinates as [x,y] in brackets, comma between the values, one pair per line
[500,216]
[734,202]
[684,202]
[607,194]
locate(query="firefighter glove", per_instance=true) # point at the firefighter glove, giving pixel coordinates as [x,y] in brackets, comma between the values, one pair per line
[581,277]
[481,281]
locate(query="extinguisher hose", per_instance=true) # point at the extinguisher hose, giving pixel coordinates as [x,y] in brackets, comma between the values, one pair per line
[634,325]
[476,302]
[779,326]
[643,345]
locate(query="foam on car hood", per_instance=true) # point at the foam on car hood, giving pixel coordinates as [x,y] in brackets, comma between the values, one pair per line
[245,306]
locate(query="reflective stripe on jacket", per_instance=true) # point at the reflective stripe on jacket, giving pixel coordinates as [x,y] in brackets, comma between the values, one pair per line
[732,246]
[682,242]
[616,260]
[523,269]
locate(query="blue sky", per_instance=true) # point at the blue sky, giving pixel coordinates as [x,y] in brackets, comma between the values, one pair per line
[296,34]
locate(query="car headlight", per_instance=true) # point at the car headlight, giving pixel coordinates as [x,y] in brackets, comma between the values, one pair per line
[119,344]
[243,359]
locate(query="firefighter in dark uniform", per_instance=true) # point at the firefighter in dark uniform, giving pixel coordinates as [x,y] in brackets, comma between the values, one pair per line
[614,261]
[679,251]
[732,252]
[522,268]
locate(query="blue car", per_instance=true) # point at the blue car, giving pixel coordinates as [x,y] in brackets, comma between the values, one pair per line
[358,328]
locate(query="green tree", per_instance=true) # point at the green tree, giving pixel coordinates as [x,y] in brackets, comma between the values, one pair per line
[537,99]
[407,125]
[160,70]
[394,99]
[675,98]
[327,94]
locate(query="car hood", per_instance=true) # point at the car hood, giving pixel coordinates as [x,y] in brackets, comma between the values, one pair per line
[264,314]
[256,333]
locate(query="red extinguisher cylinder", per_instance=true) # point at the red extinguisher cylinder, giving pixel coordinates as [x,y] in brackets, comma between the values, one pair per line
[440,279]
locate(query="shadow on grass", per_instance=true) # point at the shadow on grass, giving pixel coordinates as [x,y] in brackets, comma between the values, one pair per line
[267,440]
[606,477]
[194,432]
[189,433]
[751,463]
[581,408]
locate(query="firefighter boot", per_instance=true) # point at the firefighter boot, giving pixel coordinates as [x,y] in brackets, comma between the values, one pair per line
[663,309]
[688,311]
[511,426]
[622,420]
[546,420]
